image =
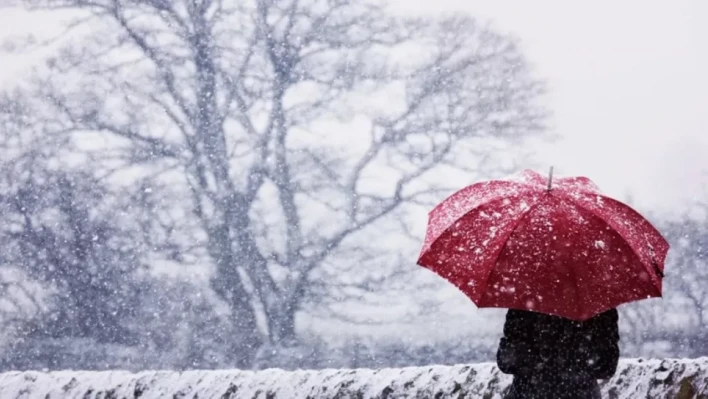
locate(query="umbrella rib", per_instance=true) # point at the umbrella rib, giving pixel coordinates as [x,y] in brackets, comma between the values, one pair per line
[577,286]
[590,214]
[506,241]
[647,268]
[572,270]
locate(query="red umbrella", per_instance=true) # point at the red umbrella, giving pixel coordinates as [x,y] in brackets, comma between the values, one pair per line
[561,249]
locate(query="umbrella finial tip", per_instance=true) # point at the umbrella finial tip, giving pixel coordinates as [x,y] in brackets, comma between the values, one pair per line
[550,178]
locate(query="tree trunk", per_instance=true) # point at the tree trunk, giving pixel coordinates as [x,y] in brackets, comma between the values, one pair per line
[245,345]
[281,325]
[228,285]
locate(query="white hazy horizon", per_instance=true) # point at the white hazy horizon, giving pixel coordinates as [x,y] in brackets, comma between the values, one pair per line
[627,87]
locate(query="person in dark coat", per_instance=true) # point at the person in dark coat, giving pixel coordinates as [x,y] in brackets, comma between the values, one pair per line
[554,358]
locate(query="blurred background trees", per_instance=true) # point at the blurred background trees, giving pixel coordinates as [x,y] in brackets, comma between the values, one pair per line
[201,183]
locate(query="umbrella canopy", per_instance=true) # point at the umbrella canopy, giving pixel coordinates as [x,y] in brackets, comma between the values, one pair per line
[562,249]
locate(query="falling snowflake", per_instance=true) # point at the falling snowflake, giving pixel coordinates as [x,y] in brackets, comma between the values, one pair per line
[523,206]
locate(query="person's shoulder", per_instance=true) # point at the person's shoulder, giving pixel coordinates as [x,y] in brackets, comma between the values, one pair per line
[518,313]
[608,316]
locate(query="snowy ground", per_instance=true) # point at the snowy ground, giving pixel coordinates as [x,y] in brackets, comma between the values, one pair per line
[635,378]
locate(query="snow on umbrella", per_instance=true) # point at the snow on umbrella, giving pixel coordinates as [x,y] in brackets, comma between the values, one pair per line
[562,249]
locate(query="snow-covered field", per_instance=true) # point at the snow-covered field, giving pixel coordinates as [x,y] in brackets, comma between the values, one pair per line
[636,378]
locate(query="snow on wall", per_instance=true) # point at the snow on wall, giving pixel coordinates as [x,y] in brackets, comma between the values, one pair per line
[634,379]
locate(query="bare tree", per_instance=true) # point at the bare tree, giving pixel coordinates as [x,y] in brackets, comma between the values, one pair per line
[69,267]
[20,298]
[688,284]
[290,126]
[679,318]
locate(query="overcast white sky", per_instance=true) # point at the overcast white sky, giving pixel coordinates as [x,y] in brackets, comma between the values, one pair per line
[627,79]
[628,87]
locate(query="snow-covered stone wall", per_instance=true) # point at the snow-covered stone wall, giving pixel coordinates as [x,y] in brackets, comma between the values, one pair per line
[635,379]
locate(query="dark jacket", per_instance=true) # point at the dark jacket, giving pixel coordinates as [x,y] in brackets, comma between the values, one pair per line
[553,358]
